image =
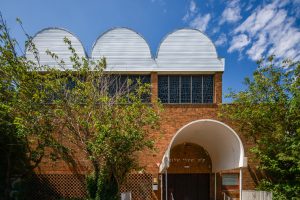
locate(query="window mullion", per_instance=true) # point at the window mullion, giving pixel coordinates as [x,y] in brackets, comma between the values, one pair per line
[179,89]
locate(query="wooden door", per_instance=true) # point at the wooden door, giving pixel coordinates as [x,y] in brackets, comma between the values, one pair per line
[187,186]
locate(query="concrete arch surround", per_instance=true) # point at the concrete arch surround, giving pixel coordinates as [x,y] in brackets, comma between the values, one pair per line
[218,139]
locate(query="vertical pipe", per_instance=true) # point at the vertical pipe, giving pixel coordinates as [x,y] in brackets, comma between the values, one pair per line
[161,186]
[241,183]
[166,185]
[215,186]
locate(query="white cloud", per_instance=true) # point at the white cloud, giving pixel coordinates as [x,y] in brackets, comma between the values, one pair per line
[216,29]
[271,31]
[249,5]
[238,43]
[257,49]
[222,39]
[257,20]
[231,13]
[193,6]
[194,18]
[191,11]
[200,22]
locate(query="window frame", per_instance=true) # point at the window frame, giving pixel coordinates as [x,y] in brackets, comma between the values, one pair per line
[191,88]
[231,187]
[119,80]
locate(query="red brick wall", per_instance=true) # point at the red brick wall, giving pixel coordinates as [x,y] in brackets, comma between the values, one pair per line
[176,116]
[173,118]
[218,87]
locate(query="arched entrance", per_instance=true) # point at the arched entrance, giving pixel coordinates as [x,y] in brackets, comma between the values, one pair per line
[222,144]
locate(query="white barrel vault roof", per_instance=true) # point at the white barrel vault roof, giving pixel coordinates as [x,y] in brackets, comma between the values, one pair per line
[52,39]
[124,50]
[184,50]
[188,50]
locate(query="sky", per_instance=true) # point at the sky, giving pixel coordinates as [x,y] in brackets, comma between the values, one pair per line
[243,31]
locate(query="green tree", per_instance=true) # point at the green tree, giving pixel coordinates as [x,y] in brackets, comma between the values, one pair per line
[268,112]
[57,112]
[24,121]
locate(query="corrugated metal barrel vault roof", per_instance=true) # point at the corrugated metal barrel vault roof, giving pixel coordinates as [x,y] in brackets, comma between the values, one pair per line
[125,50]
[52,39]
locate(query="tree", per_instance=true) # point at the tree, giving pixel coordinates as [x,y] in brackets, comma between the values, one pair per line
[57,111]
[267,112]
[109,126]
[24,121]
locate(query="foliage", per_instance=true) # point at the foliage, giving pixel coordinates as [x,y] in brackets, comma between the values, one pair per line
[24,133]
[267,111]
[58,112]
[105,187]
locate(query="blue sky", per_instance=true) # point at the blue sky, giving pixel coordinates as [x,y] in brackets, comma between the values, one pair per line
[243,31]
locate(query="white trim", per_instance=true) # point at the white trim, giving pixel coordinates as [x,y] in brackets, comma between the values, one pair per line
[232,134]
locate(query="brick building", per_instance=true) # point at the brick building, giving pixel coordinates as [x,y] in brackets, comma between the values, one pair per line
[198,155]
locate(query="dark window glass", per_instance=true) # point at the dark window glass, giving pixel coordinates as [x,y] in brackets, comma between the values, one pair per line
[185,89]
[145,79]
[163,89]
[196,89]
[70,84]
[174,89]
[123,84]
[133,82]
[119,84]
[208,89]
[112,88]
[133,86]
[230,179]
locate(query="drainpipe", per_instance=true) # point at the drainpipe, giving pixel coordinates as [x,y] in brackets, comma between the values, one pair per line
[215,186]
[161,186]
[241,183]
[166,184]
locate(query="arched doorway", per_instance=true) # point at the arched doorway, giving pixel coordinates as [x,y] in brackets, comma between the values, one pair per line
[189,172]
[222,144]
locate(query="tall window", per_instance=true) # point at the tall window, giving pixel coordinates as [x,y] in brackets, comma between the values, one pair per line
[118,83]
[186,89]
